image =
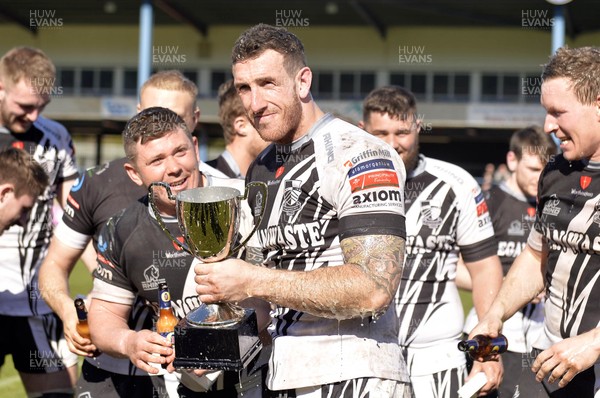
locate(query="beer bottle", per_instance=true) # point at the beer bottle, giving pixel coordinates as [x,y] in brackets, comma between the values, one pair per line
[165,325]
[82,326]
[166,322]
[482,346]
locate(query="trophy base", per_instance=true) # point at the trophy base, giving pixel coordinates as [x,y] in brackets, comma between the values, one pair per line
[229,347]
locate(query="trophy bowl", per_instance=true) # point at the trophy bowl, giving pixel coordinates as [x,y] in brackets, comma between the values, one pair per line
[221,335]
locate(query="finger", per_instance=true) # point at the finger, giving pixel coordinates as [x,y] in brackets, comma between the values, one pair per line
[546,368]
[558,372]
[566,379]
[540,360]
[200,372]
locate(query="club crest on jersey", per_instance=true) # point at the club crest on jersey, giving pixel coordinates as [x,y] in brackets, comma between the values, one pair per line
[597,213]
[551,206]
[431,211]
[291,205]
[258,204]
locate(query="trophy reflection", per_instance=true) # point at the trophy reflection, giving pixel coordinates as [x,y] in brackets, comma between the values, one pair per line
[222,335]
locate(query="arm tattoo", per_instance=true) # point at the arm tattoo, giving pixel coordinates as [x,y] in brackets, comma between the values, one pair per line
[381,257]
[254,255]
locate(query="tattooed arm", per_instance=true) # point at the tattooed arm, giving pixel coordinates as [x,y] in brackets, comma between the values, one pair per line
[365,285]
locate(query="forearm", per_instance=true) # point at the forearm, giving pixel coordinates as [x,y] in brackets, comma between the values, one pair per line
[364,286]
[54,278]
[109,329]
[524,281]
[486,283]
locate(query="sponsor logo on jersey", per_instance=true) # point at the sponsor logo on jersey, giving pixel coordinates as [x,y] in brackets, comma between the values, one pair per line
[279,171]
[431,210]
[551,206]
[516,228]
[481,204]
[531,213]
[78,183]
[374,179]
[585,181]
[579,192]
[378,198]
[375,164]
[290,206]
[328,147]
[104,273]
[151,280]
[69,211]
[73,202]
[371,153]
[102,244]
[176,246]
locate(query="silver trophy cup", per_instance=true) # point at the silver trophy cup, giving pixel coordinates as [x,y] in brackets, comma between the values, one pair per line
[221,335]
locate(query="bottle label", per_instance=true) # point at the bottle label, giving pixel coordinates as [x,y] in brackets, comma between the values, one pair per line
[169,336]
[165,299]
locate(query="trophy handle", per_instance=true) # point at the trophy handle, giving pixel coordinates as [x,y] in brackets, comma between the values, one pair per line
[263,189]
[170,195]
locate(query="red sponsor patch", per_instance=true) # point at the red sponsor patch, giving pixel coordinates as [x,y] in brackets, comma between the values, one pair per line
[348,163]
[73,202]
[531,211]
[585,181]
[104,260]
[374,179]
[482,208]
[18,144]
[279,171]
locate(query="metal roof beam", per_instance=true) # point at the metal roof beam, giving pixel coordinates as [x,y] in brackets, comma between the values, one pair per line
[366,14]
[180,15]
[25,23]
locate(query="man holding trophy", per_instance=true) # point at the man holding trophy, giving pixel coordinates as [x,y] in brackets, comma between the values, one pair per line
[332,235]
[135,255]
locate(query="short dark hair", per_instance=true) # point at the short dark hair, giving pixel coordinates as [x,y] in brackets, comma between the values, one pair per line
[20,169]
[534,141]
[230,108]
[149,124]
[395,101]
[259,38]
[581,66]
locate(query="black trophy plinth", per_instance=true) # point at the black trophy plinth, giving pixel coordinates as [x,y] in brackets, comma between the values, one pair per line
[223,347]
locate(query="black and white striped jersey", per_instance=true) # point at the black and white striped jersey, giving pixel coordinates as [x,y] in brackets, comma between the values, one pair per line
[22,249]
[568,220]
[333,183]
[446,214]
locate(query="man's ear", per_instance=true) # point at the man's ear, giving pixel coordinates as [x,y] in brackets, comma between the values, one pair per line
[5,190]
[239,125]
[361,125]
[511,161]
[133,174]
[304,81]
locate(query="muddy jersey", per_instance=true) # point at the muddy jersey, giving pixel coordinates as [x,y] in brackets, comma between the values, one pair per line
[513,217]
[335,182]
[22,249]
[568,219]
[98,194]
[446,215]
